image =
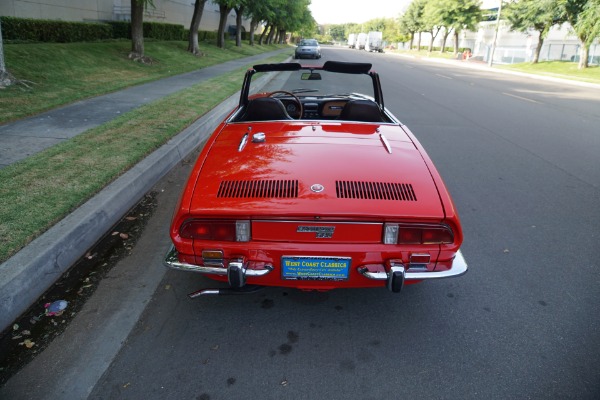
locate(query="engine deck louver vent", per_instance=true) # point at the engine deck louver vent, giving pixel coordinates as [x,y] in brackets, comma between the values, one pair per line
[260,188]
[375,191]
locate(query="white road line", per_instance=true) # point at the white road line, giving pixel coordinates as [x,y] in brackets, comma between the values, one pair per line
[521,98]
[444,76]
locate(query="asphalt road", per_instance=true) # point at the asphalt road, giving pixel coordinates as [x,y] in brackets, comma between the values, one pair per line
[521,159]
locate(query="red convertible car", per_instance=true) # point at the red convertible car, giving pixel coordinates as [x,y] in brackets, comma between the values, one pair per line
[315,187]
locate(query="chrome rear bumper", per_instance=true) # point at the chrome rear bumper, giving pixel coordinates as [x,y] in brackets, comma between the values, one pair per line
[234,267]
[397,273]
[236,271]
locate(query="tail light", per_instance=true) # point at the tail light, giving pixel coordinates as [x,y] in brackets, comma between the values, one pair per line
[417,234]
[217,230]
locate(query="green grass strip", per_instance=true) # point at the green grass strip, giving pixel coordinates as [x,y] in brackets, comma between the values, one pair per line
[55,74]
[42,189]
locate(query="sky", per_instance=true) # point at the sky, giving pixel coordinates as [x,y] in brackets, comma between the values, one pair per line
[359,11]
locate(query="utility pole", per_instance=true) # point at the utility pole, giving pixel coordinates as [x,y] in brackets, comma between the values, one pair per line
[491,60]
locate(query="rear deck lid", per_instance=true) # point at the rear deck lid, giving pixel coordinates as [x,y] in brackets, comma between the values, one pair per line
[320,170]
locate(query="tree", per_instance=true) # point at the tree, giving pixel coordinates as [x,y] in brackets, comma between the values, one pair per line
[464,14]
[5,76]
[589,21]
[540,15]
[193,46]
[411,21]
[225,7]
[572,10]
[257,11]
[432,21]
[137,30]
[454,16]
[239,12]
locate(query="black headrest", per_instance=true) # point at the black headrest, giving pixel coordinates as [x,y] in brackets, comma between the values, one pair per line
[361,110]
[265,109]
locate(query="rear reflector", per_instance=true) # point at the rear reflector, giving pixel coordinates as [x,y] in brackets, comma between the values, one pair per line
[227,231]
[390,234]
[417,234]
[420,258]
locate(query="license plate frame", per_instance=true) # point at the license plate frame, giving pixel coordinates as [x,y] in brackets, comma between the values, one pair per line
[315,268]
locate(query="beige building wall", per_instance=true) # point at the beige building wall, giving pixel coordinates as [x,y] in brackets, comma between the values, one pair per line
[168,11]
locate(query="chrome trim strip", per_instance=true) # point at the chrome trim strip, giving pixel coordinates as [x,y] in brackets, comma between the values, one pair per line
[243,142]
[172,261]
[316,221]
[385,143]
[459,267]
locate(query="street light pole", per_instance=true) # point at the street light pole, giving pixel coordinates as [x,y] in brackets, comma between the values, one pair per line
[491,60]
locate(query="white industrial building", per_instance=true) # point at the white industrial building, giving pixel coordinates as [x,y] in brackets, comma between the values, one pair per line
[167,11]
[514,47]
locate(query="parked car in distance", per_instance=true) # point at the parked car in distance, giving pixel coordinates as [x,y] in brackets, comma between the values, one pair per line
[374,41]
[361,40]
[351,40]
[308,48]
[316,188]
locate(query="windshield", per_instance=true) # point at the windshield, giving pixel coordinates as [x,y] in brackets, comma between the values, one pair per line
[309,43]
[319,83]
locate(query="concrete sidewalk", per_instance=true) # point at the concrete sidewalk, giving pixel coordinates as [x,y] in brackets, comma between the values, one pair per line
[28,136]
[30,272]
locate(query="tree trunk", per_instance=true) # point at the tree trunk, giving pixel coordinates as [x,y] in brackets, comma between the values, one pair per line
[6,79]
[271,34]
[433,36]
[455,41]
[419,41]
[238,26]
[3,70]
[263,35]
[193,37]
[538,49]
[583,56]
[253,25]
[224,13]
[430,48]
[137,29]
[445,37]
[412,39]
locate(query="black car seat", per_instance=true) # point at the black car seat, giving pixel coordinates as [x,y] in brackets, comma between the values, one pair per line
[264,109]
[361,110]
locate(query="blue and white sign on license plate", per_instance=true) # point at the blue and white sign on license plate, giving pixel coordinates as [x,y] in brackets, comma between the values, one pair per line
[315,268]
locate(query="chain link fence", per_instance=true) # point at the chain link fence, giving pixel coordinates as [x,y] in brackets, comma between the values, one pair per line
[549,52]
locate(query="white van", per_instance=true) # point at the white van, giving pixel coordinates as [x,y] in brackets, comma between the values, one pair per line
[361,40]
[374,42]
[351,40]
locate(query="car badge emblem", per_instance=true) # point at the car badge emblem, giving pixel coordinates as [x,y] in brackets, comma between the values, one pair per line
[322,232]
[317,188]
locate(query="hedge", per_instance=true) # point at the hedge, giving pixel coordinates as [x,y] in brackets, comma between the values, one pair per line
[152,30]
[39,30]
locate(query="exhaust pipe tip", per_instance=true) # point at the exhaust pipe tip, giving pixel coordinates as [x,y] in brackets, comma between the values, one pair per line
[246,289]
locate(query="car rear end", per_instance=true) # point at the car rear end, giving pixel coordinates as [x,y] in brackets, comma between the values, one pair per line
[316,209]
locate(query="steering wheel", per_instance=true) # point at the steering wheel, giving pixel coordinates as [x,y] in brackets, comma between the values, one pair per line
[296,100]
